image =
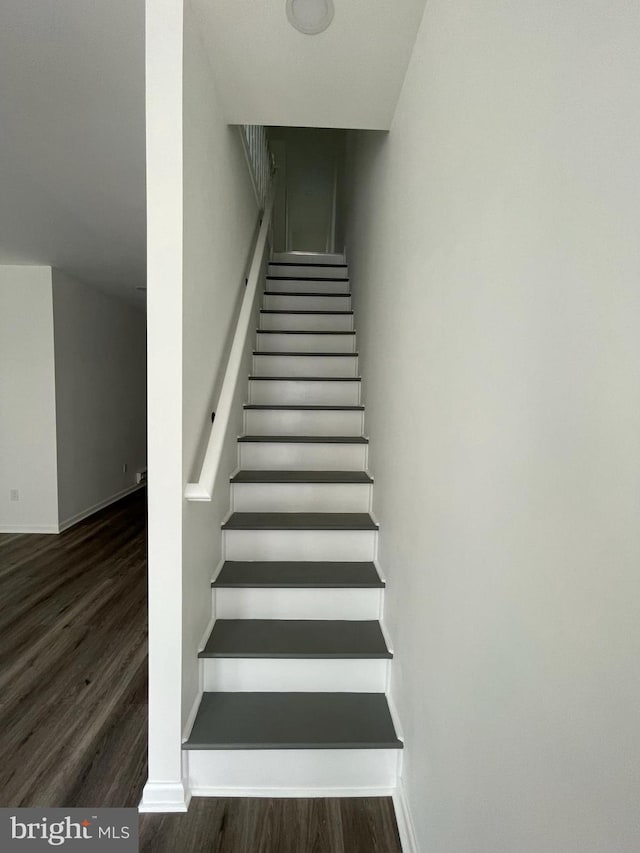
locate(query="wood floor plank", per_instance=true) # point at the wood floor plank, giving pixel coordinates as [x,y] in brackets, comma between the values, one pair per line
[318,825]
[73,701]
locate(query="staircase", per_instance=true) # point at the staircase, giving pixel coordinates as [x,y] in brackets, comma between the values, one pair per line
[296,666]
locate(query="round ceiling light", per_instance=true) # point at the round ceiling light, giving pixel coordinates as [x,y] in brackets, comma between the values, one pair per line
[310,16]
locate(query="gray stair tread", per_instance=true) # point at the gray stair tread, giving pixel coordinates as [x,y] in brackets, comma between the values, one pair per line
[292,573]
[307,293]
[300,521]
[295,638]
[302,278]
[301,477]
[306,378]
[304,332]
[305,264]
[306,439]
[300,311]
[290,407]
[308,352]
[293,721]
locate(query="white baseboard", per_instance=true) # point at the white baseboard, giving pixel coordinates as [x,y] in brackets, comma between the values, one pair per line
[404,820]
[289,793]
[69,522]
[29,528]
[165,797]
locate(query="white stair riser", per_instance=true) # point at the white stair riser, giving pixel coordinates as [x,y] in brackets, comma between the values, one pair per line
[301,497]
[304,322]
[278,603]
[307,303]
[304,392]
[300,422]
[300,365]
[304,271]
[299,544]
[292,772]
[306,343]
[303,285]
[307,257]
[237,675]
[261,456]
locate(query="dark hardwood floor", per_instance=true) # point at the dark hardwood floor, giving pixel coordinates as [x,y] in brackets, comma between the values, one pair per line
[275,826]
[73,714]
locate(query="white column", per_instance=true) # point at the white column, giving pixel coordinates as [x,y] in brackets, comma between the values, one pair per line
[165,788]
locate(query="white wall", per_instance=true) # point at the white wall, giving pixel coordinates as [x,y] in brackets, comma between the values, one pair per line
[220,216]
[100,370]
[72,392]
[494,247]
[27,401]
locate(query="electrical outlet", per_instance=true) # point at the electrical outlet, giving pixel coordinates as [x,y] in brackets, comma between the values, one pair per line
[14,495]
[125,468]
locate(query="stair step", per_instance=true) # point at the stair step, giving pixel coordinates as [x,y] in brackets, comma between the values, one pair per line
[300,419]
[302,477]
[313,603]
[322,295]
[305,379]
[297,574]
[293,721]
[306,320]
[305,364]
[303,284]
[307,277]
[295,674]
[290,299]
[295,638]
[297,256]
[305,390]
[309,272]
[301,311]
[309,342]
[304,264]
[305,452]
[300,521]
[301,490]
[272,407]
[306,439]
[300,536]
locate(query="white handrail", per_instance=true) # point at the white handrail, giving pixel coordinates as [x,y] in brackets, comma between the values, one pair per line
[203,489]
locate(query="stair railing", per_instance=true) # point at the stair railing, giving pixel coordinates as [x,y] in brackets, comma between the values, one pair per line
[203,489]
[260,160]
[262,169]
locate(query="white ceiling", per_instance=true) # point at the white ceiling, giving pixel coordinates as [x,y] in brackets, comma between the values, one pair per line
[72,138]
[348,76]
